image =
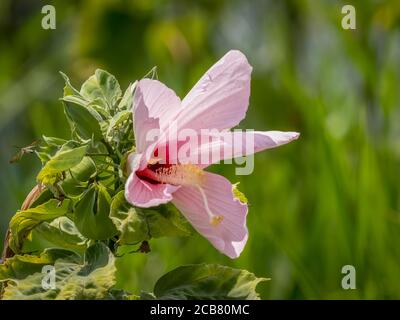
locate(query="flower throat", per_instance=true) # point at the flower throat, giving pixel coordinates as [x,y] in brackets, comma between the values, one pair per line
[184,175]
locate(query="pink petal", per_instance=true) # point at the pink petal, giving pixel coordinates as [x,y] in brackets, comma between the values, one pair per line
[230,235]
[188,150]
[220,98]
[144,194]
[142,122]
[154,106]
[135,161]
[235,144]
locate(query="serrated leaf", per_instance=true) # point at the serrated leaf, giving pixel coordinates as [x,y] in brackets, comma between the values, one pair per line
[127,99]
[91,214]
[68,88]
[75,182]
[76,279]
[76,99]
[20,266]
[60,233]
[49,147]
[84,170]
[24,221]
[85,121]
[53,141]
[137,224]
[100,106]
[96,147]
[66,158]
[72,188]
[165,221]
[102,85]
[207,281]
[117,120]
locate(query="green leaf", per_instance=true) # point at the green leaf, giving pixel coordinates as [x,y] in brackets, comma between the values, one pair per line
[20,266]
[131,228]
[43,197]
[147,296]
[78,100]
[165,221]
[136,224]
[100,106]
[84,170]
[85,121]
[76,279]
[127,99]
[117,120]
[24,221]
[72,188]
[207,281]
[92,214]
[60,233]
[49,147]
[68,88]
[66,158]
[97,147]
[102,85]
[74,96]
[75,182]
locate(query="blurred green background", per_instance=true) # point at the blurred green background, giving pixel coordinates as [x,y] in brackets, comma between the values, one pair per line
[330,199]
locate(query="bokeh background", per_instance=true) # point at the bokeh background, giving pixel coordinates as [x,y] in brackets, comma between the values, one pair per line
[330,199]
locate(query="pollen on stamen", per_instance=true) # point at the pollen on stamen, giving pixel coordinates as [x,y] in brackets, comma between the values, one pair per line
[214,219]
[180,174]
[187,175]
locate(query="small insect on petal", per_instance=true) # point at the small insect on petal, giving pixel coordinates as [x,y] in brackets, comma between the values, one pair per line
[216,220]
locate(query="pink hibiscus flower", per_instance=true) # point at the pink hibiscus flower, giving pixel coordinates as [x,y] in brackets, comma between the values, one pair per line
[219,101]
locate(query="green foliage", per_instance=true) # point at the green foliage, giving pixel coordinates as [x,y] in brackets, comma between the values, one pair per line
[91,214]
[117,120]
[137,224]
[102,87]
[84,120]
[77,278]
[127,99]
[26,220]
[59,233]
[66,158]
[84,170]
[328,200]
[20,266]
[81,218]
[49,147]
[207,281]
